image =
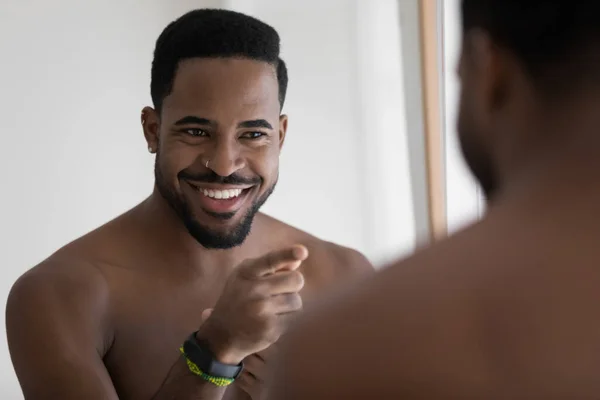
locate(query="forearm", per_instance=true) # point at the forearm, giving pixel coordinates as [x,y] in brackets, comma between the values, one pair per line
[182,384]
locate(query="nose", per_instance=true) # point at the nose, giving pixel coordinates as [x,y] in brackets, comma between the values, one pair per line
[225,157]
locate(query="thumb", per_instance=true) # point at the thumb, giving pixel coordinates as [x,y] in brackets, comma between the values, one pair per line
[206,313]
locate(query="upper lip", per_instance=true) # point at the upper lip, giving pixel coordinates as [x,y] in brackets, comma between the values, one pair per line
[216,186]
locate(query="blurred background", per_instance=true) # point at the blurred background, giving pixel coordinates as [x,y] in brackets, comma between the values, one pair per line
[75,75]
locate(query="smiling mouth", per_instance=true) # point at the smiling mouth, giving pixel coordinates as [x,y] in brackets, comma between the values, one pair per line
[221,201]
[220,194]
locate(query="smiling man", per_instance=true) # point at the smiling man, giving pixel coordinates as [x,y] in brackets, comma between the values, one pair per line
[185,295]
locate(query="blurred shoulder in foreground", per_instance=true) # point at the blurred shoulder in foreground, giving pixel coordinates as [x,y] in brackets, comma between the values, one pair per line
[508,308]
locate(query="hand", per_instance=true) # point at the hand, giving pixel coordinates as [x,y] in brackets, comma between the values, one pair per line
[250,383]
[250,313]
[255,373]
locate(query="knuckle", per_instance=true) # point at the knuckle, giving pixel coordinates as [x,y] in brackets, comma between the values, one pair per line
[261,307]
[246,263]
[288,302]
[245,268]
[273,330]
[294,301]
[269,260]
[297,280]
[257,289]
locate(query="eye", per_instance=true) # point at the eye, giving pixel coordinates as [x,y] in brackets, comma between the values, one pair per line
[196,132]
[253,135]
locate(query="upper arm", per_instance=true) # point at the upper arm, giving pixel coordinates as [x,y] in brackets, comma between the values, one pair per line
[56,330]
[356,261]
[351,261]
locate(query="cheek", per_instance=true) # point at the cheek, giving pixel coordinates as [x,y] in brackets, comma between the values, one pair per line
[264,161]
[172,160]
[271,163]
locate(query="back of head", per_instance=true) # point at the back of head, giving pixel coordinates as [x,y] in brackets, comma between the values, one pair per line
[213,33]
[557,41]
[530,76]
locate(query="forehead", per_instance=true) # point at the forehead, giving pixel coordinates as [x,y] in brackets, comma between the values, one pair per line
[221,87]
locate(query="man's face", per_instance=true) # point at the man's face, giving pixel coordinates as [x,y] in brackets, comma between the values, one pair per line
[218,141]
[474,129]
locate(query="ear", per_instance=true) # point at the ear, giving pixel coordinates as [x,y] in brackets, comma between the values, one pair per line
[283,124]
[151,127]
[487,67]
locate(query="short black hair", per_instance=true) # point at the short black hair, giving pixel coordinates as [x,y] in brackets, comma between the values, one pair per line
[557,41]
[212,33]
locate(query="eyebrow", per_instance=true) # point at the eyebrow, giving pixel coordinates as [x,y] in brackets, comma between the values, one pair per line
[257,123]
[190,119]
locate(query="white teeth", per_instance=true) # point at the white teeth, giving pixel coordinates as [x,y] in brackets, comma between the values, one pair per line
[221,194]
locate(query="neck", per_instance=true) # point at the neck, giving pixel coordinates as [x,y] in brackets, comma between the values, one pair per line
[557,146]
[169,239]
[562,173]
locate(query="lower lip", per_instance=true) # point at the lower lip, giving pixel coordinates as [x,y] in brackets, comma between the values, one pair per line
[220,205]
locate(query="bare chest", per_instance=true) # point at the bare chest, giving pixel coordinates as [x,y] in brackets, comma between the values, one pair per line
[151,321]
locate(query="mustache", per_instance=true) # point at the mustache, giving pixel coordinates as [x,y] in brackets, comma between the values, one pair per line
[212,177]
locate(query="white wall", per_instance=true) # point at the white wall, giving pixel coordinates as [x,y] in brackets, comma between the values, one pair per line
[75,75]
[392,226]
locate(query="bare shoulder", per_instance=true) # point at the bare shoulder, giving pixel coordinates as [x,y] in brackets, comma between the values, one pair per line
[483,314]
[61,271]
[67,296]
[415,321]
[58,315]
[74,272]
[57,291]
[326,257]
[338,258]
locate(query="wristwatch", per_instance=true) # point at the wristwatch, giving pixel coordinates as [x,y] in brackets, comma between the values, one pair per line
[199,353]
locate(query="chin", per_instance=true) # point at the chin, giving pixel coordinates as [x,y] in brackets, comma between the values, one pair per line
[218,236]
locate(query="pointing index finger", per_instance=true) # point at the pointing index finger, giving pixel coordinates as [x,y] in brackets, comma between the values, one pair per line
[286,259]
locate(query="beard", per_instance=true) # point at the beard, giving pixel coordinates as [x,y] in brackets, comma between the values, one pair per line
[206,236]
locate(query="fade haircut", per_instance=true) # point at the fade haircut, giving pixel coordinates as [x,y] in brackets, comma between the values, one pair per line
[213,33]
[557,41]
